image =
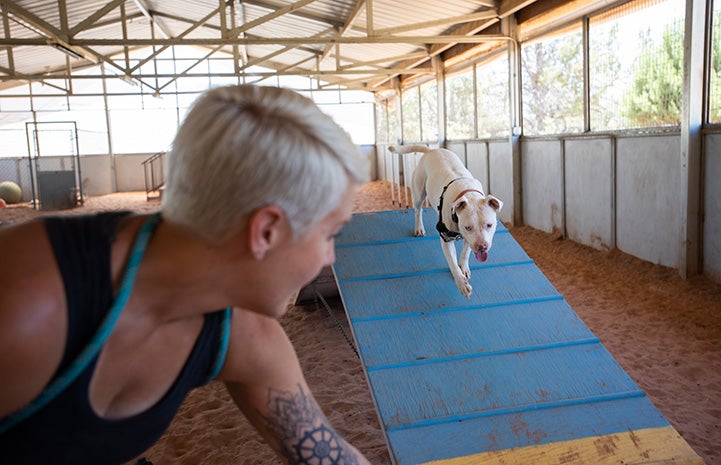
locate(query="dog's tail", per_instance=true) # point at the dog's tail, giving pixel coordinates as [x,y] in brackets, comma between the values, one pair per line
[409,148]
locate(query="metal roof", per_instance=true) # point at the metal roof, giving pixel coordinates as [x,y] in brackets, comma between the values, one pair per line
[357,44]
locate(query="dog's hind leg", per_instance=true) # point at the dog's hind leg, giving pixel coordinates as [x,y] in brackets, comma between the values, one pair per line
[418,194]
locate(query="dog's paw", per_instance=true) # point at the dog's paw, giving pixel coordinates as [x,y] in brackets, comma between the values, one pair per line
[465,288]
[466,272]
[419,232]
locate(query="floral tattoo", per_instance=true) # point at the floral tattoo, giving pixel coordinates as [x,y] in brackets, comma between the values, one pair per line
[304,433]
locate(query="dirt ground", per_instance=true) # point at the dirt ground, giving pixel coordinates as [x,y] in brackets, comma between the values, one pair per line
[663,330]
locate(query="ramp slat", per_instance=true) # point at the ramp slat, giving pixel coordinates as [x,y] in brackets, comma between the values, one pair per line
[427,292]
[468,331]
[522,429]
[461,389]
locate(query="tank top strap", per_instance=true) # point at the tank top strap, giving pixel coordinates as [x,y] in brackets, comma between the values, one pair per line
[222,350]
[61,382]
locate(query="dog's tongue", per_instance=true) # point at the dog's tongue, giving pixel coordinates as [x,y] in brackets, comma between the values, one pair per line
[481,256]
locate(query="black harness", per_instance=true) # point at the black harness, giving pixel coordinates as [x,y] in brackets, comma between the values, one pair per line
[446,234]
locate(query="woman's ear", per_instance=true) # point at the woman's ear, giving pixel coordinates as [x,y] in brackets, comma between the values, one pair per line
[266,227]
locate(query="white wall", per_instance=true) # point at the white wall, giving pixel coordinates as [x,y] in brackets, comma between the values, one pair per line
[478,163]
[500,162]
[97,175]
[543,200]
[648,198]
[590,215]
[129,173]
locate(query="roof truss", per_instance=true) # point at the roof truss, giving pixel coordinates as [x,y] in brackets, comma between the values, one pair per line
[356,50]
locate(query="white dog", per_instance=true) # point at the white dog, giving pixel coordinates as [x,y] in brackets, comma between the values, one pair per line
[464,211]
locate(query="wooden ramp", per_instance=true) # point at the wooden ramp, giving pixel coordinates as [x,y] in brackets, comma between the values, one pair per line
[509,376]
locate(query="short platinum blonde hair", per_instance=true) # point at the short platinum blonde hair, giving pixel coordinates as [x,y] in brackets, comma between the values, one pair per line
[244,147]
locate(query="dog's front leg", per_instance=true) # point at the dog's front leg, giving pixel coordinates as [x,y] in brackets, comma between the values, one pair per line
[463,260]
[449,250]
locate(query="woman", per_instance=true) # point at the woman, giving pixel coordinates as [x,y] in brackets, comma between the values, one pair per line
[107,321]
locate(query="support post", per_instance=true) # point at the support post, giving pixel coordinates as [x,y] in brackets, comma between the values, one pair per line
[694,61]
[509,28]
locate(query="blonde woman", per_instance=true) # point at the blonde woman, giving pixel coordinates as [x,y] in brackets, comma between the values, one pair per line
[107,321]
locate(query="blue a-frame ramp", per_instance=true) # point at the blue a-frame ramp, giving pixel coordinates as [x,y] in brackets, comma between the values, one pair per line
[511,375]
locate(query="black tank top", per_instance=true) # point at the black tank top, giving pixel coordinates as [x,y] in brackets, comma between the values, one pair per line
[67,430]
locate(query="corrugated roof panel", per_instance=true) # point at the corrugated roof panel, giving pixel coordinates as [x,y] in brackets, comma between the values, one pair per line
[46,10]
[394,13]
[79,11]
[287,25]
[33,60]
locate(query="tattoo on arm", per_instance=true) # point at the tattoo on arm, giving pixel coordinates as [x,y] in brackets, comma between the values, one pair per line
[305,435]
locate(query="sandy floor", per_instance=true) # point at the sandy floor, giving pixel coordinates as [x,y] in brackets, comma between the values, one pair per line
[665,332]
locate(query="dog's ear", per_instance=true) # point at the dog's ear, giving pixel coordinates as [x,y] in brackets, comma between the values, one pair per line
[459,205]
[494,203]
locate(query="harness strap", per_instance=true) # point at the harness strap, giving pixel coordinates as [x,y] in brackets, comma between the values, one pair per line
[77,366]
[446,234]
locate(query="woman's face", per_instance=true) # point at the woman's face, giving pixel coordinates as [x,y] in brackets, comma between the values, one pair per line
[316,249]
[301,259]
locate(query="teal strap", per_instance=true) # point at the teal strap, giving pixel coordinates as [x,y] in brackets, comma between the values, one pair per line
[60,383]
[223,346]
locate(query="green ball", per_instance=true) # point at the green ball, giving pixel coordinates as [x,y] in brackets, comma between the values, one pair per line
[10,192]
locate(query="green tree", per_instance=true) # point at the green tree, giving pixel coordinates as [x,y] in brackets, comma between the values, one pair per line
[429,111]
[715,91]
[605,70]
[552,74]
[494,116]
[654,99]
[411,115]
[459,106]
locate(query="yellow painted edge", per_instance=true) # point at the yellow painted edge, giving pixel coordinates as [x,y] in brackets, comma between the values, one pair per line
[653,446]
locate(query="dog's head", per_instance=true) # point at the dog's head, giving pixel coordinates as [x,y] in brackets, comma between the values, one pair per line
[477,219]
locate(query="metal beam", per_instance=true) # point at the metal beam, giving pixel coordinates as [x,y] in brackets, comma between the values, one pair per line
[8,50]
[164,47]
[464,30]
[259,60]
[87,22]
[39,24]
[352,18]
[417,40]
[296,71]
[269,17]
[439,22]
[330,21]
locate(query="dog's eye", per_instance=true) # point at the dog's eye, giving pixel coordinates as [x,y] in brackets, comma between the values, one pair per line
[469,228]
[489,225]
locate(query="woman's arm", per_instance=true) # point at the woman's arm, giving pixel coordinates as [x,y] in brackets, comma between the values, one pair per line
[263,375]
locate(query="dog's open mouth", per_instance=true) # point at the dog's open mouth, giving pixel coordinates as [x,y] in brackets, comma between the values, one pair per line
[481,256]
